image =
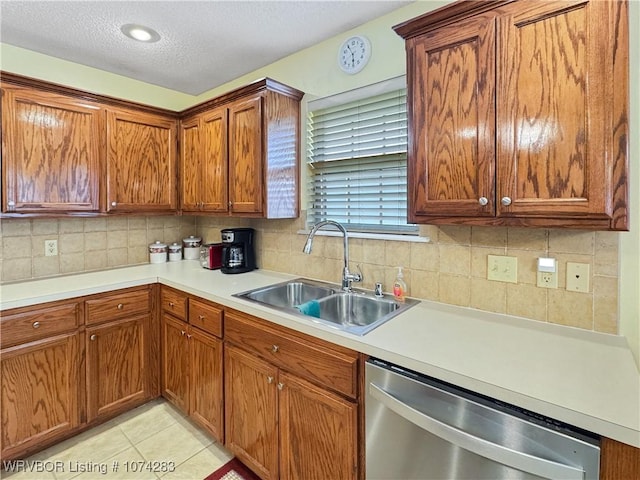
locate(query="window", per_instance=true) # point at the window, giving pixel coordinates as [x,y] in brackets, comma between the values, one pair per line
[357,150]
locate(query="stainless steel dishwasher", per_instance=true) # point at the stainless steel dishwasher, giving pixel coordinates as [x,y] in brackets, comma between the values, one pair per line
[420,428]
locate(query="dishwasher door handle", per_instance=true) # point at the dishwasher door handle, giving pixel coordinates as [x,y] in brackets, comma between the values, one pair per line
[498,453]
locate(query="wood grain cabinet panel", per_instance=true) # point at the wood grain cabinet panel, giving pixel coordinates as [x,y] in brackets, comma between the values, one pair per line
[39,394]
[203,162]
[553,151]
[192,360]
[51,152]
[251,411]
[117,366]
[240,153]
[141,162]
[283,418]
[318,432]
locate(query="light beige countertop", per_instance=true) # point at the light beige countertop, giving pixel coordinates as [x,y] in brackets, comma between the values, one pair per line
[580,377]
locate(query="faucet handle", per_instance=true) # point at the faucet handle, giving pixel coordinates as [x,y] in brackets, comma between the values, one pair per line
[357,277]
[378,290]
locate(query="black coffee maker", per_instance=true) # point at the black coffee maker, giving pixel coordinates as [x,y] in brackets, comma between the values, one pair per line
[238,255]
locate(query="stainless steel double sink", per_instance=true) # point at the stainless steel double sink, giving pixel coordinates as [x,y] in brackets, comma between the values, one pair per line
[356,312]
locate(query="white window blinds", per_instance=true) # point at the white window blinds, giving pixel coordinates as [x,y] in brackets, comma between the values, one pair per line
[358,155]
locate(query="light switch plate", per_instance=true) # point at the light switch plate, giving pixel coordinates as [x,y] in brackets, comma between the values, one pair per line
[502,268]
[578,277]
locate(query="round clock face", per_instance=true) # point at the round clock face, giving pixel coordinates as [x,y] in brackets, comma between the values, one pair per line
[354,54]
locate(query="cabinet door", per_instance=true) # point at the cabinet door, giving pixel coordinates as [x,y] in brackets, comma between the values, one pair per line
[175,362]
[190,168]
[318,432]
[452,114]
[215,176]
[246,156]
[553,153]
[117,367]
[205,378]
[141,162]
[40,388]
[51,160]
[251,409]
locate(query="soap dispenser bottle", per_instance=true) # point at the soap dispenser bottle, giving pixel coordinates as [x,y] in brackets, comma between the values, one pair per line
[399,286]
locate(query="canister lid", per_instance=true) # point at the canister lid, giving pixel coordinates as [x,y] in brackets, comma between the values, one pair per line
[175,247]
[192,241]
[158,245]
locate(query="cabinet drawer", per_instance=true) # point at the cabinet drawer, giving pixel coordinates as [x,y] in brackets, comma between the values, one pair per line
[206,316]
[309,357]
[37,323]
[117,306]
[174,302]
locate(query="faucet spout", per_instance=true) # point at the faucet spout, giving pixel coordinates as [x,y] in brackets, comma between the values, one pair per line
[347,276]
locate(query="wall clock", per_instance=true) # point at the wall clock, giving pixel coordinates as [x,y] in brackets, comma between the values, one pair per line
[354,54]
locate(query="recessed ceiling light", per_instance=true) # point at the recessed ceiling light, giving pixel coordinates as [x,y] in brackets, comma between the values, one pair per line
[140,33]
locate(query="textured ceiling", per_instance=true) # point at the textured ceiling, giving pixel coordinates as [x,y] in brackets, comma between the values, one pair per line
[203,43]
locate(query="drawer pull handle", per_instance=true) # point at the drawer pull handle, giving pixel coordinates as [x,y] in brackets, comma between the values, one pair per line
[280,385]
[269,379]
[36,324]
[275,348]
[120,306]
[201,317]
[93,337]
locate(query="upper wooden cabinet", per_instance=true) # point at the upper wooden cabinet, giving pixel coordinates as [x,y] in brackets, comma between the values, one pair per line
[51,152]
[518,114]
[240,153]
[203,162]
[141,162]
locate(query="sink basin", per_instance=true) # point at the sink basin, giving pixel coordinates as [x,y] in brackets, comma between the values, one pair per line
[289,294]
[356,312]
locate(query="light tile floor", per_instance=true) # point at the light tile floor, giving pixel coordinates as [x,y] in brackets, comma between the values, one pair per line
[131,446]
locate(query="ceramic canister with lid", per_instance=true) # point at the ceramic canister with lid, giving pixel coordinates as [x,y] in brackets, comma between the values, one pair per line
[191,247]
[158,252]
[175,252]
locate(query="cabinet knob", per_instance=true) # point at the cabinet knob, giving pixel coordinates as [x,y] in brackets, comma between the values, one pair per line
[506,201]
[230,204]
[188,335]
[120,306]
[201,317]
[114,204]
[269,379]
[171,304]
[36,324]
[93,337]
[280,385]
[483,201]
[182,332]
[11,203]
[275,348]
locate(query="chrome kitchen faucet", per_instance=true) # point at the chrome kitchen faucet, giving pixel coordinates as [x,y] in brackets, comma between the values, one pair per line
[347,277]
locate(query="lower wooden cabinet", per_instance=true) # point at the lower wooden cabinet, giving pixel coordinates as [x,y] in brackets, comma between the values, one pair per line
[279,423]
[192,359]
[40,390]
[117,366]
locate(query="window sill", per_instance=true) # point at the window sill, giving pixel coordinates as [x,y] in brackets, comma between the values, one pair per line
[371,236]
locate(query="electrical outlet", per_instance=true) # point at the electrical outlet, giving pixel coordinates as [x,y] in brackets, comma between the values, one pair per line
[548,279]
[50,248]
[578,277]
[502,269]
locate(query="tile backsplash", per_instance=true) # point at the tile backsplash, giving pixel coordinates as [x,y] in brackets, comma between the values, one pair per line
[451,268]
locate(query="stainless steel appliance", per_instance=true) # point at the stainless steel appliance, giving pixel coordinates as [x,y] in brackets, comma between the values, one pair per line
[211,255]
[420,428]
[238,255]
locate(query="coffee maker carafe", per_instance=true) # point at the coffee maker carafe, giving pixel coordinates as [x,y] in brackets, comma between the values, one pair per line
[238,255]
